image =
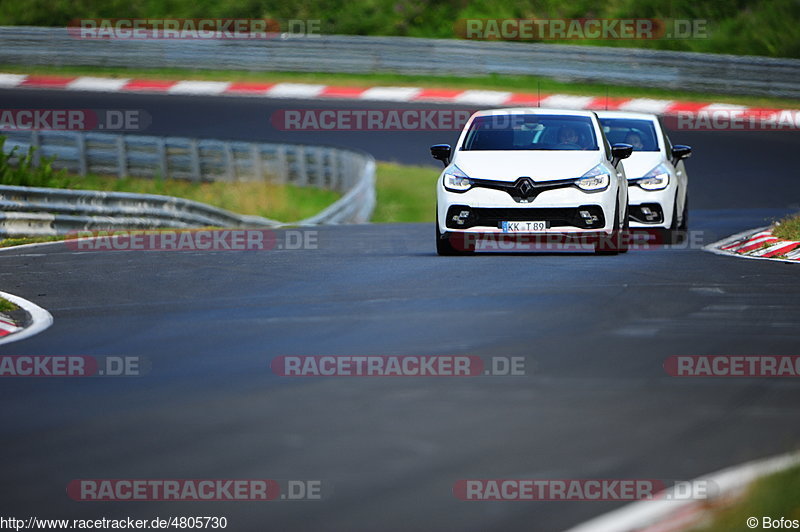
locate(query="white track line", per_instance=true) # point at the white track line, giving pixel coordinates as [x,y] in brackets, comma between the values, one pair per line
[88,83]
[11,80]
[199,87]
[390,94]
[295,90]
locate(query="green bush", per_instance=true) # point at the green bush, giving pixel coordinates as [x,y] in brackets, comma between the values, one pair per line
[24,173]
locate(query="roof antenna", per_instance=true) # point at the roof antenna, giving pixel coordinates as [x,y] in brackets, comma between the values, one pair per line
[606,97]
[538,94]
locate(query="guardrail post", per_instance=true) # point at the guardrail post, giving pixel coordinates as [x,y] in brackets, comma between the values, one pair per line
[80,141]
[283,165]
[230,168]
[256,163]
[194,157]
[162,157]
[302,167]
[122,158]
[320,155]
[336,175]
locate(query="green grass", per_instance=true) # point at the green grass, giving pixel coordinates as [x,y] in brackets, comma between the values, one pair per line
[19,241]
[405,193]
[7,306]
[528,84]
[754,27]
[286,203]
[788,228]
[773,496]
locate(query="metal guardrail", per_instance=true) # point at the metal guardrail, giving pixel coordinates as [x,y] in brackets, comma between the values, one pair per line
[29,211]
[25,45]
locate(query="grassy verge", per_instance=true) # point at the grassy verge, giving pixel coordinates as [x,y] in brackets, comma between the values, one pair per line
[405,193]
[286,203]
[7,306]
[788,228]
[18,241]
[774,496]
[529,84]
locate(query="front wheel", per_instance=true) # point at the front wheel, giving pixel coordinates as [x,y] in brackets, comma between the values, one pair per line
[676,233]
[625,238]
[611,245]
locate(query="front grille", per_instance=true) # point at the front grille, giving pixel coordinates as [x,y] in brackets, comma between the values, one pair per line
[464,217]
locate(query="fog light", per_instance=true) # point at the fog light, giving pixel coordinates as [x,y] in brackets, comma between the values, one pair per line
[461,217]
[588,217]
[649,214]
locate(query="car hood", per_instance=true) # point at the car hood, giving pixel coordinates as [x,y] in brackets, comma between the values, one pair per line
[538,165]
[641,162]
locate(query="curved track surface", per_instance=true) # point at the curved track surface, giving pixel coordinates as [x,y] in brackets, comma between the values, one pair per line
[596,402]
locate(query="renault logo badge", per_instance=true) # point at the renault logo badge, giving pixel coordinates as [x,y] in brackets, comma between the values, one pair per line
[525,186]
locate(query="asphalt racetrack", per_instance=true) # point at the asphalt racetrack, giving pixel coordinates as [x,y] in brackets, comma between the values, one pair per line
[594,332]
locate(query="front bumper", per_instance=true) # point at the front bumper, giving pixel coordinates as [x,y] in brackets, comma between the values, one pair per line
[651,208]
[565,210]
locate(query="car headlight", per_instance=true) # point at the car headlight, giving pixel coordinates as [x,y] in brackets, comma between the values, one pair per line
[455,180]
[655,179]
[595,179]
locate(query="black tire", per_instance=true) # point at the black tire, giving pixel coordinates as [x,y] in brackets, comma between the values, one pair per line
[610,245]
[676,233]
[625,238]
[685,218]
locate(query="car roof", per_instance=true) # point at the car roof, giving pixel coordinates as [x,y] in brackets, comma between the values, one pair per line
[627,114]
[534,111]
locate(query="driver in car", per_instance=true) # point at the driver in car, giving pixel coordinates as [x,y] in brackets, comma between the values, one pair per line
[567,136]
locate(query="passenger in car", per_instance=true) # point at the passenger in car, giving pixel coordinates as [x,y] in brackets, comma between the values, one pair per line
[635,140]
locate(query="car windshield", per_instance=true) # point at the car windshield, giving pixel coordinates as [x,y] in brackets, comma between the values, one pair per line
[531,132]
[641,134]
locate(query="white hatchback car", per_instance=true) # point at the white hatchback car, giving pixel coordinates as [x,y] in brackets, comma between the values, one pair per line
[657,178]
[535,172]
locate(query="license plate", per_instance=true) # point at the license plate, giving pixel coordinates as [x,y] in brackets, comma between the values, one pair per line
[524,227]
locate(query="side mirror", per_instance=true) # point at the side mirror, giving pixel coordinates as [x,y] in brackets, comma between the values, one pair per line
[620,151]
[679,151]
[441,152]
